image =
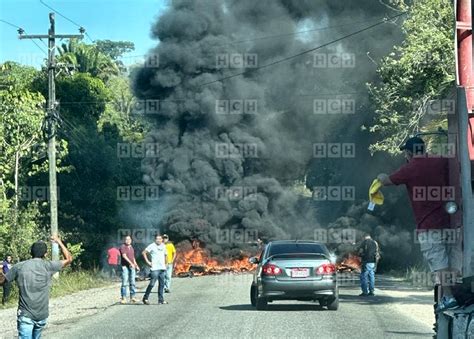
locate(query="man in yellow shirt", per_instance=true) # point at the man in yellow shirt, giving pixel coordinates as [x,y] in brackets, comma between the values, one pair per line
[171,253]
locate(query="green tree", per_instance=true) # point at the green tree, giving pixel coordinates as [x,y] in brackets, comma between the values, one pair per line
[121,111]
[21,142]
[82,97]
[115,49]
[79,57]
[418,71]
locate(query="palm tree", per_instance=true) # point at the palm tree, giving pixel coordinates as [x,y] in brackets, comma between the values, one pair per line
[83,58]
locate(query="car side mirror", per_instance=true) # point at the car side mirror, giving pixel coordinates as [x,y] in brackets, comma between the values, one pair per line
[253,260]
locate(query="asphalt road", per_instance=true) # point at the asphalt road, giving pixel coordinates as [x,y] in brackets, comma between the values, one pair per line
[219,307]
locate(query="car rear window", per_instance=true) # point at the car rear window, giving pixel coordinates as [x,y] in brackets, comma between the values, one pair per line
[297,248]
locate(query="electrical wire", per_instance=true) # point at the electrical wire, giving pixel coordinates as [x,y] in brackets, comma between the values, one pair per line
[273,36]
[68,19]
[18,27]
[302,53]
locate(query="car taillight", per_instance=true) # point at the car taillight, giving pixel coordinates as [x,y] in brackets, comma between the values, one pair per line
[270,269]
[326,269]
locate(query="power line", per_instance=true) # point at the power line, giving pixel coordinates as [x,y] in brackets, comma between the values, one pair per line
[296,33]
[271,36]
[68,19]
[74,129]
[9,23]
[141,102]
[60,14]
[19,28]
[304,52]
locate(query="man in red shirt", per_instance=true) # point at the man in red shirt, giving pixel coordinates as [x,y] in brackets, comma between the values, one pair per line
[129,270]
[113,261]
[426,180]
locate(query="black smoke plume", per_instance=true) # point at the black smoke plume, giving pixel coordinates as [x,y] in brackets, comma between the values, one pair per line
[253,189]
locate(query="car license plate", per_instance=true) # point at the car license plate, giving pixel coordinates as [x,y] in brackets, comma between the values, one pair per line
[300,273]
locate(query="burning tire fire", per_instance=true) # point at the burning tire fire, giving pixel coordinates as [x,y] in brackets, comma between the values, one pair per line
[349,263]
[194,260]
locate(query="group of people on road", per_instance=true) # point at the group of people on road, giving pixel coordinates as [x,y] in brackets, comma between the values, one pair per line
[34,276]
[159,256]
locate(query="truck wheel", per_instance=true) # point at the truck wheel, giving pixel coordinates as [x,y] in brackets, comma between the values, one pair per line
[253,295]
[261,304]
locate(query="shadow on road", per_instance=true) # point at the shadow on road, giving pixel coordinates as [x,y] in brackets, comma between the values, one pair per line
[383,299]
[416,334]
[275,307]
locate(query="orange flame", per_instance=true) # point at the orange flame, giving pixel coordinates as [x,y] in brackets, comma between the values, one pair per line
[198,261]
[351,262]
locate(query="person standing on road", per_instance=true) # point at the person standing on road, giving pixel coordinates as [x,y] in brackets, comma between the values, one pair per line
[6,266]
[426,178]
[171,253]
[129,270]
[157,252]
[113,257]
[368,251]
[33,278]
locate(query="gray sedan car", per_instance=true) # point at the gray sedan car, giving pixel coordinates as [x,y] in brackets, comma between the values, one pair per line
[294,270]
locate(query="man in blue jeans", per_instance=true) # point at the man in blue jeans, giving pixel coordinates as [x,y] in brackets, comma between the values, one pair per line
[33,278]
[369,253]
[158,254]
[129,270]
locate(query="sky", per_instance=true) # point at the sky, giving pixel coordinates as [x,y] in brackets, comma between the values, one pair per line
[128,20]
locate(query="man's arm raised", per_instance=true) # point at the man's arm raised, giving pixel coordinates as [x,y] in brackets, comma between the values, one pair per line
[67,255]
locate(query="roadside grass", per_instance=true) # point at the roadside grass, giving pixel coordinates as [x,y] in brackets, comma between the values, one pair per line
[416,276]
[398,274]
[419,276]
[68,282]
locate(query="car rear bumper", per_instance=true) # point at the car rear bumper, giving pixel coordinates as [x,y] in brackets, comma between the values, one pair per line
[295,289]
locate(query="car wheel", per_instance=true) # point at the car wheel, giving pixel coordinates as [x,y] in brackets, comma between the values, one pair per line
[333,304]
[253,295]
[261,304]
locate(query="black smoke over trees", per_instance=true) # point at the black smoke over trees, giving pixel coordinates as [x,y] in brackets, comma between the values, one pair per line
[189,171]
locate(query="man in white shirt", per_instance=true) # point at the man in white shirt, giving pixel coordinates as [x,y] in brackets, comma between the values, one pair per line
[157,252]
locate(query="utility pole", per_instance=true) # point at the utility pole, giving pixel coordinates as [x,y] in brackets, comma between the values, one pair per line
[51,120]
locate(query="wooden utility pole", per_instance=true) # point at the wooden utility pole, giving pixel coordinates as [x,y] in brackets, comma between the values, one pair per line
[51,121]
